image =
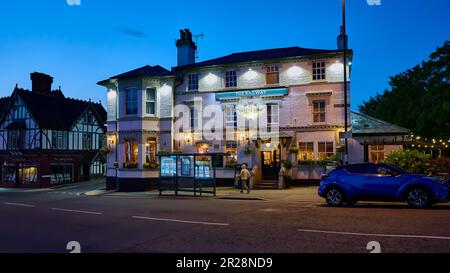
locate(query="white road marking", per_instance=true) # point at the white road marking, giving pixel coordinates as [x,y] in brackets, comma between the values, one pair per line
[376,235]
[20,205]
[180,221]
[77,211]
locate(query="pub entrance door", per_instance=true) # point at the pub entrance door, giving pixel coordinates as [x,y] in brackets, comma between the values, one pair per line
[271,164]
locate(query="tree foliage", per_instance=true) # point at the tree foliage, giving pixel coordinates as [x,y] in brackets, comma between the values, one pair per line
[419,98]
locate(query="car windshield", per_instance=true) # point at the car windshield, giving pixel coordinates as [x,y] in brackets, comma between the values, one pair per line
[390,170]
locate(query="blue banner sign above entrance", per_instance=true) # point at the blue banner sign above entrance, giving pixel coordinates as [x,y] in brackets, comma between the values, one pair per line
[278,92]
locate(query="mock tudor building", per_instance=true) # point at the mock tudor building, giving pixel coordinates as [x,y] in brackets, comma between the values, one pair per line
[298,90]
[47,139]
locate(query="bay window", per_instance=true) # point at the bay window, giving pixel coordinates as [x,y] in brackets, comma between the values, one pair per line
[150,101]
[131,101]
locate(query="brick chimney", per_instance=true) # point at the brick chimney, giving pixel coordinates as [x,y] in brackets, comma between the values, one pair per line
[41,83]
[186,48]
[340,39]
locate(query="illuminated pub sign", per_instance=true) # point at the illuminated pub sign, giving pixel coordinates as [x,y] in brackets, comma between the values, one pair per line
[278,92]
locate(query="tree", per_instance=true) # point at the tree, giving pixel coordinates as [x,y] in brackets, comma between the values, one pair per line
[419,98]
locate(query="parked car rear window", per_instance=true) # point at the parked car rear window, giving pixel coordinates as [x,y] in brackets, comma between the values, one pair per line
[362,168]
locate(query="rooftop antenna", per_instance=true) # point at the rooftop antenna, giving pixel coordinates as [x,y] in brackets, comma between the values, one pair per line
[197,37]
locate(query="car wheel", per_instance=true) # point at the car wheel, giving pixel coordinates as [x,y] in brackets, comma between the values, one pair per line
[418,198]
[335,197]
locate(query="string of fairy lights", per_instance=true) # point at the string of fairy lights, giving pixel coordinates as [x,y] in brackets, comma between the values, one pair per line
[419,142]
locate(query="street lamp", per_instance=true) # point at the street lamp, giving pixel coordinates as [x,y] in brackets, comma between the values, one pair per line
[345,82]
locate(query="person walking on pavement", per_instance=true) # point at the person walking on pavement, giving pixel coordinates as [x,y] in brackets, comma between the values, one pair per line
[245,176]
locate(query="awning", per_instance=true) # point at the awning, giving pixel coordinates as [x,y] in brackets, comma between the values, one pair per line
[278,92]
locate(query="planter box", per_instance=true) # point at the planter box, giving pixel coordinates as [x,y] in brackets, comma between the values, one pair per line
[310,172]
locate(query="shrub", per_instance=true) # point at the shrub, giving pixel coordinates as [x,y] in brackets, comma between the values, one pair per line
[231,163]
[287,164]
[162,152]
[313,162]
[130,165]
[151,165]
[293,149]
[412,161]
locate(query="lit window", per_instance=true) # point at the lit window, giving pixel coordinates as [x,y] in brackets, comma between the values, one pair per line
[306,150]
[150,101]
[150,151]
[230,79]
[131,151]
[193,82]
[326,150]
[319,71]
[319,111]
[272,75]
[376,153]
[131,106]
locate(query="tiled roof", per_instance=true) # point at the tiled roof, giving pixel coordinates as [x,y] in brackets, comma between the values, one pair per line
[156,71]
[260,55]
[363,125]
[54,111]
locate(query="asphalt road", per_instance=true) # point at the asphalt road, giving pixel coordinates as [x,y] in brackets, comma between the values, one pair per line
[46,221]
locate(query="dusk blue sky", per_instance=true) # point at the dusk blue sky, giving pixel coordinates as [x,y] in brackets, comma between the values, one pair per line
[81,45]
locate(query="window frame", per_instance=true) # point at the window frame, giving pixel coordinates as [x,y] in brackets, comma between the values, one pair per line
[308,152]
[322,155]
[319,113]
[377,151]
[230,79]
[231,120]
[319,71]
[133,102]
[193,82]
[273,70]
[149,101]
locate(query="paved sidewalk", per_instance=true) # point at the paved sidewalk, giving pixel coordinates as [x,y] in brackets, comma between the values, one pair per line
[304,194]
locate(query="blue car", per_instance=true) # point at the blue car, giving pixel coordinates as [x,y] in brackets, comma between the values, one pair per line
[381,182]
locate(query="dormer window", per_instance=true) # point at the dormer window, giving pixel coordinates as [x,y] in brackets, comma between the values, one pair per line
[272,74]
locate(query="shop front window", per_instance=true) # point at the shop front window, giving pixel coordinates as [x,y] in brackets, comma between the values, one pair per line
[9,174]
[61,173]
[28,174]
[231,155]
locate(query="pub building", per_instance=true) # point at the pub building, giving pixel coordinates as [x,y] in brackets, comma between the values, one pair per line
[47,139]
[300,88]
